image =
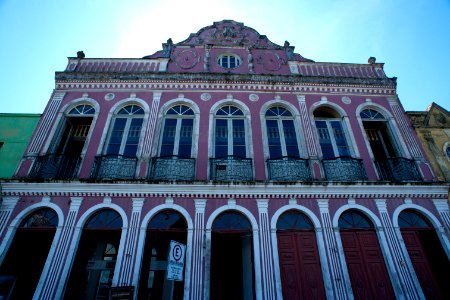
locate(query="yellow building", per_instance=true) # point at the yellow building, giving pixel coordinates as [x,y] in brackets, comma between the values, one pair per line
[433,128]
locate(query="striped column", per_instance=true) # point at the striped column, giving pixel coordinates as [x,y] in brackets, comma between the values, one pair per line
[408,282]
[198,250]
[51,280]
[126,272]
[306,123]
[339,279]
[7,206]
[47,120]
[150,130]
[267,269]
[443,210]
[405,128]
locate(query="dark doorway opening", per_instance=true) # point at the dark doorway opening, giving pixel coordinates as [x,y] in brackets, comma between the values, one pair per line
[153,283]
[93,267]
[232,266]
[28,252]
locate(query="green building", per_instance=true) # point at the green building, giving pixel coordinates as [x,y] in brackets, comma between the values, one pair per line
[15,132]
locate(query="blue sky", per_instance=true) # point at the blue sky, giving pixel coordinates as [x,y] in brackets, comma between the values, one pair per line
[411,37]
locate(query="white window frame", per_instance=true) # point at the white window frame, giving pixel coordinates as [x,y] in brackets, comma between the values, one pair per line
[332,137]
[179,119]
[226,59]
[230,130]
[126,129]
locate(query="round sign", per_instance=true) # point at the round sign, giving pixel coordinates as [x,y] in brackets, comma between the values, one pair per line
[177,252]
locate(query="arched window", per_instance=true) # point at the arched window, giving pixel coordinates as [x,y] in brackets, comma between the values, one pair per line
[41,218]
[231,221]
[230,137]
[378,133]
[126,131]
[354,219]
[332,137]
[281,135]
[105,219]
[177,131]
[167,220]
[294,220]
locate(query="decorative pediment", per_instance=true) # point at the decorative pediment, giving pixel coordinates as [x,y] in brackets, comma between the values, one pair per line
[437,116]
[229,33]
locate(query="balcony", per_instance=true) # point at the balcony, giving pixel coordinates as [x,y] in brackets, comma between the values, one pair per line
[231,168]
[55,166]
[344,169]
[173,167]
[289,169]
[398,169]
[114,167]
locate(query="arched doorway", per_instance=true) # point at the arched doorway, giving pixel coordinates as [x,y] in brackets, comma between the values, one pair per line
[153,283]
[93,267]
[427,256]
[28,252]
[232,257]
[300,270]
[365,262]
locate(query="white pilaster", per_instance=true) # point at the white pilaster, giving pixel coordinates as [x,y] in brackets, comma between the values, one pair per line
[7,206]
[129,255]
[198,250]
[339,278]
[410,287]
[51,276]
[267,268]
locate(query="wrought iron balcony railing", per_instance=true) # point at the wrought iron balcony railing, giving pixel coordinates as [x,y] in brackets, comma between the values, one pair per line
[398,169]
[55,166]
[289,169]
[114,167]
[172,168]
[231,168]
[344,169]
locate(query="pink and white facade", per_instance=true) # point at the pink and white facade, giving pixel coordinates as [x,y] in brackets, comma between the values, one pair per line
[285,178]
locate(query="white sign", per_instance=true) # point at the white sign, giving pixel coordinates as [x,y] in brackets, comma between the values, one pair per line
[176,261]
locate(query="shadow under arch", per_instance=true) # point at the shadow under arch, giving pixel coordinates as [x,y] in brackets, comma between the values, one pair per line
[29,251]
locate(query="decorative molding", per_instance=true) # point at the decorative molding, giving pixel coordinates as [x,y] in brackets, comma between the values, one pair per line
[198,250]
[145,85]
[320,190]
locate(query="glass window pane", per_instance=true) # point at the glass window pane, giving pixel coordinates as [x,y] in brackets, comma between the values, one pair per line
[239,138]
[354,219]
[168,138]
[340,139]
[133,137]
[115,139]
[231,221]
[273,139]
[324,139]
[167,220]
[294,220]
[185,145]
[290,138]
[221,138]
[105,219]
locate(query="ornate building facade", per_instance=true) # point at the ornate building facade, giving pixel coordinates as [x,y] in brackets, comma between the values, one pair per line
[433,129]
[285,178]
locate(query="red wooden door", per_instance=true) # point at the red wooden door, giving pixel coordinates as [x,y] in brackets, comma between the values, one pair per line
[301,274]
[365,263]
[421,264]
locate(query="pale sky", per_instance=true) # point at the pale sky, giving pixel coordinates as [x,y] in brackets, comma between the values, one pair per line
[412,38]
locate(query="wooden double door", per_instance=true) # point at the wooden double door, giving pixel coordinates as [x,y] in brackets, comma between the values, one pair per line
[365,264]
[300,270]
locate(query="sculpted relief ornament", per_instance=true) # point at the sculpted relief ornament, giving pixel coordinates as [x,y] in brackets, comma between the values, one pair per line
[187,59]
